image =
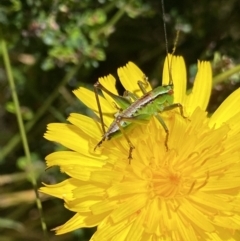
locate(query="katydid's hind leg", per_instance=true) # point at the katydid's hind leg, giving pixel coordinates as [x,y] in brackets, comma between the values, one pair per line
[159,118]
[98,144]
[97,86]
[121,101]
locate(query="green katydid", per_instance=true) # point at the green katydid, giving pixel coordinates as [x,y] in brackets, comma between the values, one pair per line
[137,110]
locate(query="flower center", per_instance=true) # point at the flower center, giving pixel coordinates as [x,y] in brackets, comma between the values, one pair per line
[166,183]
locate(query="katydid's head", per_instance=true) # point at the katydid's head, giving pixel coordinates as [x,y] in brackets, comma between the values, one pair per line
[169,97]
[164,90]
[163,95]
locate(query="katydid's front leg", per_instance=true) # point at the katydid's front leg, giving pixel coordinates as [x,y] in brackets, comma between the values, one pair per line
[130,95]
[143,85]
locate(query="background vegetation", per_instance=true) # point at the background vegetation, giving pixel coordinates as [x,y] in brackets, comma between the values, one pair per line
[56,46]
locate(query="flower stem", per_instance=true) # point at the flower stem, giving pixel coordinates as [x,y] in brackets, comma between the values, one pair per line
[47,103]
[22,131]
[223,76]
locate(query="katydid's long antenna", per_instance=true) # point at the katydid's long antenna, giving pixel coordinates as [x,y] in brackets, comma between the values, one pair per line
[175,42]
[164,26]
[166,41]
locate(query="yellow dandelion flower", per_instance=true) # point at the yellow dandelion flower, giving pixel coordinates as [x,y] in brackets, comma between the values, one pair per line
[188,193]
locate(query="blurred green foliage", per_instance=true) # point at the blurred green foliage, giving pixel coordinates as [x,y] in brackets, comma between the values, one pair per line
[56,46]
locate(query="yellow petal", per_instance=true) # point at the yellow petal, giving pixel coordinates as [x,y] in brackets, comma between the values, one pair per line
[80,205]
[86,124]
[129,207]
[61,190]
[89,99]
[127,188]
[69,136]
[109,83]
[110,176]
[79,221]
[211,201]
[103,206]
[196,216]
[79,172]
[228,109]
[62,158]
[178,74]
[88,190]
[152,220]
[129,76]
[202,87]
[111,231]
[137,227]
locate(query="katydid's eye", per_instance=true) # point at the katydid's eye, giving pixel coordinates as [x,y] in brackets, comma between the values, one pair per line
[170,92]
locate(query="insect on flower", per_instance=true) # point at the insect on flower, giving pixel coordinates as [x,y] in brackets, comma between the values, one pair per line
[190,192]
[133,110]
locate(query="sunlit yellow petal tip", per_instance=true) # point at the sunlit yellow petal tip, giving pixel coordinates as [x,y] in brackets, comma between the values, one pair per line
[174,71]
[189,191]
[109,82]
[228,109]
[202,87]
[130,75]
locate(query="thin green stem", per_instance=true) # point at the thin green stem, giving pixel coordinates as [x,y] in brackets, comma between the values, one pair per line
[22,132]
[110,6]
[47,103]
[116,17]
[225,75]
[113,20]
